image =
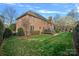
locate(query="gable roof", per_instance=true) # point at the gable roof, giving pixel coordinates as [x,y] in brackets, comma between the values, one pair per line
[34,14]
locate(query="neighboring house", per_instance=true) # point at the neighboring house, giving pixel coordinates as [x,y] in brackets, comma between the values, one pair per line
[31,21]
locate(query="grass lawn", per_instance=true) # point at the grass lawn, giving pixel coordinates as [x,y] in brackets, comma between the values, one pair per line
[47,45]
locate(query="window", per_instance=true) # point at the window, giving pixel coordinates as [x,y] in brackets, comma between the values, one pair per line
[31,28]
[43,28]
[39,27]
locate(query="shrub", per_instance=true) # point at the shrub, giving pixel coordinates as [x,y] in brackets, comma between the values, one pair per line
[7,33]
[47,31]
[57,30]
[20,32]
[14,34]
[35,32]
[12,27]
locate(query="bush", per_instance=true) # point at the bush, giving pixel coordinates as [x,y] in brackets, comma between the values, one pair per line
[14,34]
[35,32]
[57,30]
[20,32]
[47,31]
[7,33]
[12,27]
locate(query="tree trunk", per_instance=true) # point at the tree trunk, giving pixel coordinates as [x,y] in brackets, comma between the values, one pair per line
[1,40]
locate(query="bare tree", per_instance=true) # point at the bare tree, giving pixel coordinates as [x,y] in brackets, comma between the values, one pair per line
[9,14]
[25,25]
[66,23]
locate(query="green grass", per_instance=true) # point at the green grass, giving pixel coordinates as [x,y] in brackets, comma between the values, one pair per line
[47,45]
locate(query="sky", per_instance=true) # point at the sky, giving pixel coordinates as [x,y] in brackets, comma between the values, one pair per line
[44,9]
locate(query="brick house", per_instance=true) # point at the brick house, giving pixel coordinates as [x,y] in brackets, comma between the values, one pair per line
[31,21]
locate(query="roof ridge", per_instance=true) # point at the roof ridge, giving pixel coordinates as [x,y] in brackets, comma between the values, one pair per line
[30,11]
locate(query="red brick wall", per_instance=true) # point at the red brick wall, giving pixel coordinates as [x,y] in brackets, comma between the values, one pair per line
[38,24]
